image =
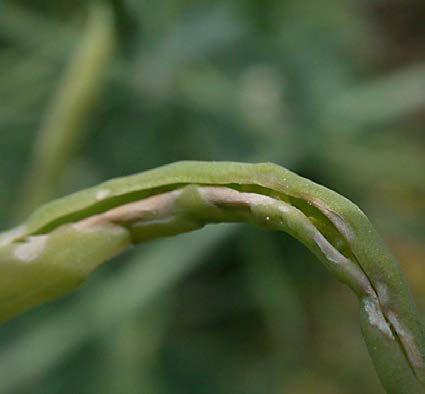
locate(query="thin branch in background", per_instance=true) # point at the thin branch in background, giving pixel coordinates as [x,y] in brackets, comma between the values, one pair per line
[69,111]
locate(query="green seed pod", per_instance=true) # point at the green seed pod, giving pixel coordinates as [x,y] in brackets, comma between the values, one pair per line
[62,242]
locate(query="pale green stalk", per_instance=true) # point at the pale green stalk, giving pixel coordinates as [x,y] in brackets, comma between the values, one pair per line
[63,127]
[61,243]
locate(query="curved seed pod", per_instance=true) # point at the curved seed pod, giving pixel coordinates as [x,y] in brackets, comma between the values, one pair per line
[65,240]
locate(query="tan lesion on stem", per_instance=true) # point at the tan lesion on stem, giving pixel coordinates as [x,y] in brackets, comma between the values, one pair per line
[190,207]
[165,209]
[168,209]
[150,208]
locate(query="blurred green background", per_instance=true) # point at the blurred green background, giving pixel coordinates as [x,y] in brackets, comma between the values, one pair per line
[334,90]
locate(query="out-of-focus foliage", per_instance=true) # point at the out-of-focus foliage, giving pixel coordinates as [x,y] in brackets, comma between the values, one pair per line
[334,90]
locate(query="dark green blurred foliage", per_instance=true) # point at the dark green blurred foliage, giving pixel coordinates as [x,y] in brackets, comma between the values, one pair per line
[334,90]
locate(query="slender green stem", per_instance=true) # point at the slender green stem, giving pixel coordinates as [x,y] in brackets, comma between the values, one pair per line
[70,109]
